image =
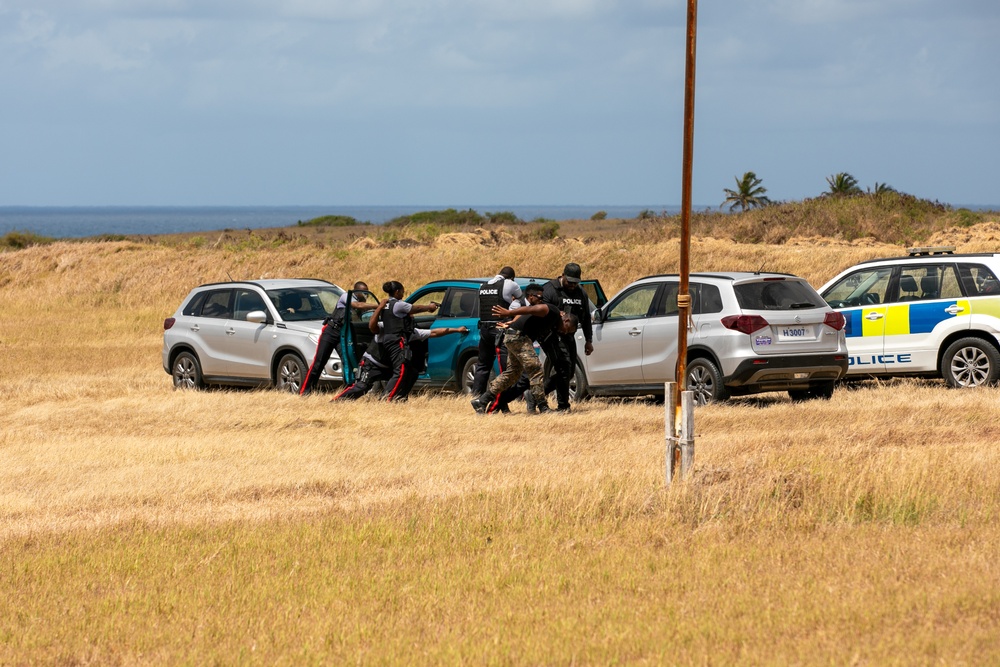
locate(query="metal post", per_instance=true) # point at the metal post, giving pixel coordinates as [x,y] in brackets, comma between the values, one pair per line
[673,454]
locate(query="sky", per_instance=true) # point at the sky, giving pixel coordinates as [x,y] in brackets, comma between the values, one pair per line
[491,102]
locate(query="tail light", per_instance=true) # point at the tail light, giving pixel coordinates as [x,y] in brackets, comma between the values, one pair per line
[835,320]
[744,323]
[167,323]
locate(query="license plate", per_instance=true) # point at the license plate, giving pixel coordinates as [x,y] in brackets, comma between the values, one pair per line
[798,332]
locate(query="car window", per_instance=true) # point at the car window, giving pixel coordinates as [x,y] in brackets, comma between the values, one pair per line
[922,282]
[590,289]
[460,302]
[635,303]
[978,280]
[193,306]
[424,320]
[860,288]
[777,295]
[218,304]
[358,315]
[705,299]
[668,299]
[247,301]
[297,304]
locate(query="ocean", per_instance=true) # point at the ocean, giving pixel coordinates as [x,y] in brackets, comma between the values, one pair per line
[84,221]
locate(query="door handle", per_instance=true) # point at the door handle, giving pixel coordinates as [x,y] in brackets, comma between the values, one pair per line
[635,332]
[196,328]
[230,332]
[954,309]
[874,316]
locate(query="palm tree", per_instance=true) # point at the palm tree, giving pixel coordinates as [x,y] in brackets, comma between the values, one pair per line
[843,185]
[881,189]
[749,193]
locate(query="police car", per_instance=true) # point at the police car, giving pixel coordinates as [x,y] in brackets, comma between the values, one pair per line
[933,313]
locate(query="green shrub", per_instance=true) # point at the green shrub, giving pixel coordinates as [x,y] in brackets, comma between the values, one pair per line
[330,221]
[504,218]
[546,231]
[17,240]
[446,218]
[600,215]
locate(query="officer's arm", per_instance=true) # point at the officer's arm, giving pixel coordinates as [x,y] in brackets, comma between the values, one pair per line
[373,322]
[539,309]
[444,331]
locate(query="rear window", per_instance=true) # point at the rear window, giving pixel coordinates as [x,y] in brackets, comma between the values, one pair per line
[777,295]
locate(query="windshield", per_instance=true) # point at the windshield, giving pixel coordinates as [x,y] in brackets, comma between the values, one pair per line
[297,304]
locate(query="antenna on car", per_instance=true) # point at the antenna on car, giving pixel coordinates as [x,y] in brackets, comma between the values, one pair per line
[760,270]
[230,277]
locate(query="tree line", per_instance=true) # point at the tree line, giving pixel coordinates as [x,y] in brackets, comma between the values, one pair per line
[749,192]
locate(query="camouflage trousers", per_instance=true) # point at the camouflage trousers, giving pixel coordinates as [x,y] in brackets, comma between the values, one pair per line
[521,358]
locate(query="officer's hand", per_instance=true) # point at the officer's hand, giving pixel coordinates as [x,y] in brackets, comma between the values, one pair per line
[434,306]
[588,348]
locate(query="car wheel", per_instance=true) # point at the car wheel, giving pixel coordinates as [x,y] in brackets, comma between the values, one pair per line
[823,390]
[186,372]
[290,373]
[468,375]
[579,390]
[970,362]
[705,380]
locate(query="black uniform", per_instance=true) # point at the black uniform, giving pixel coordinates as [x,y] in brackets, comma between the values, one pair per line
[329,340]
[397,327]
[575,302]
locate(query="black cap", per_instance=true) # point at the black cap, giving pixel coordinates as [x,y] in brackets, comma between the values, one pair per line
[571,272]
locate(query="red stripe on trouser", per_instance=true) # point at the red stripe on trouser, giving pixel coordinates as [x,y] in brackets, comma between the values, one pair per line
[344,391]
[496,399]
[302,389]
[402,371]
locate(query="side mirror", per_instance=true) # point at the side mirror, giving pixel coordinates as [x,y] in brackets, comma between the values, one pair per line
[257,316]
[597,316]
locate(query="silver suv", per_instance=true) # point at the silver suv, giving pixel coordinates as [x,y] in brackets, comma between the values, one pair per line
[749,333]
[259,333]
[932,313]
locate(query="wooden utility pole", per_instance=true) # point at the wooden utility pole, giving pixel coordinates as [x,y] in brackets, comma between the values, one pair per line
[679,401]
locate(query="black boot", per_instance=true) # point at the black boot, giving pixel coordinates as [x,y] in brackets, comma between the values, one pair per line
[482,403]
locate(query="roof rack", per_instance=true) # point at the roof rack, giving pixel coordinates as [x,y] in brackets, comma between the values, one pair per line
[931,250]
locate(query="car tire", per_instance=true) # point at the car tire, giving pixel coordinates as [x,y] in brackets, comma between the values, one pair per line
[290,373]
[822,391]
[705,380]
[970,362]
[467,375]
[579,390]
[186,371]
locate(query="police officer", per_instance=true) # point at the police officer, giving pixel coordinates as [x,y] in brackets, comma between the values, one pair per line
[534,323]
[371,369]
[502,291]
[396,318]
[329,337]
[566,294]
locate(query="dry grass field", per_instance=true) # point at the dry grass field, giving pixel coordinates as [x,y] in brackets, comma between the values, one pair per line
[139,525]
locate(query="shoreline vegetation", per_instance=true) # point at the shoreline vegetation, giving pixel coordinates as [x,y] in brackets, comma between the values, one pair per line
[143,525]
[886,217]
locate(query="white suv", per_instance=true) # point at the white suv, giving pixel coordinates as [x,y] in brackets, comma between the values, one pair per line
[260,332]
[748,333]
[932,313]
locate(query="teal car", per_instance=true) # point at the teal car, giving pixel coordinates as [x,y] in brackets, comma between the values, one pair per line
[451,360]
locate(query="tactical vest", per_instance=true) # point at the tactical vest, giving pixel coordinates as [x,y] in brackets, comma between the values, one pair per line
[393,325]
[491,294]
